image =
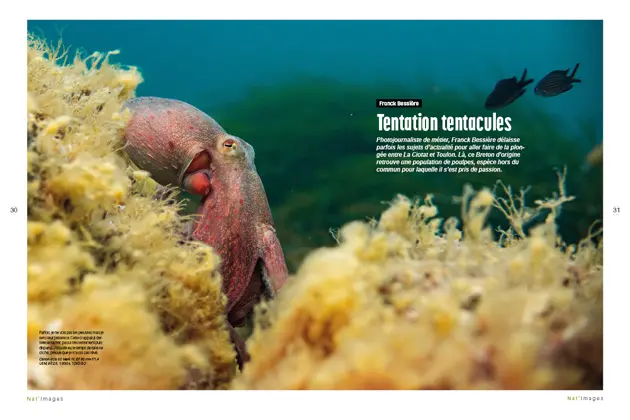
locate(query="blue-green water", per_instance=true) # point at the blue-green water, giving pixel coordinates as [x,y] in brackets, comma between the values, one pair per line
[190,59]
[302,93]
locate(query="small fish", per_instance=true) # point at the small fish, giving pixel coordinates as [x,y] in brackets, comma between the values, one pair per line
[507,91]
[557,82]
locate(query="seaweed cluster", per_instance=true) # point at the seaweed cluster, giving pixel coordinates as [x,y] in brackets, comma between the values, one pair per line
[406,301]
[103,254]
[411,301]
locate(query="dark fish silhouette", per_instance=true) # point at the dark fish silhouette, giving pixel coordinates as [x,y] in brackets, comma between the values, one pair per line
[507,91]
[557,82]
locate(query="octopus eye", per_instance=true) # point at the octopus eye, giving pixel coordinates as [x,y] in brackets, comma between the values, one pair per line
[229,144]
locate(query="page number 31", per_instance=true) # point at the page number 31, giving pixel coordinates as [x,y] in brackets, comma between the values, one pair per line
[616,210]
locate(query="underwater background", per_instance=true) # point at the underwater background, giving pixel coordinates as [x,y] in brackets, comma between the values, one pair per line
[303,94]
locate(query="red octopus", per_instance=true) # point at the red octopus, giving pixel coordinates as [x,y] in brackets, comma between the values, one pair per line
[180,145]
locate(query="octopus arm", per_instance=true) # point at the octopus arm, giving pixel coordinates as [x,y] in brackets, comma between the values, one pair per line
[274,268]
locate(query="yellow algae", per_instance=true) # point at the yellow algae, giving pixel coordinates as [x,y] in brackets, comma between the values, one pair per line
[409,302]
[102,253]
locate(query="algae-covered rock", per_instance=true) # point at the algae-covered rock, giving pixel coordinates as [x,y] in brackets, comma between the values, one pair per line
[103,255]
[414,302]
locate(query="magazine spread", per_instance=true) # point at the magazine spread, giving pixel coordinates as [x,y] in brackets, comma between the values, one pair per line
[315,205]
